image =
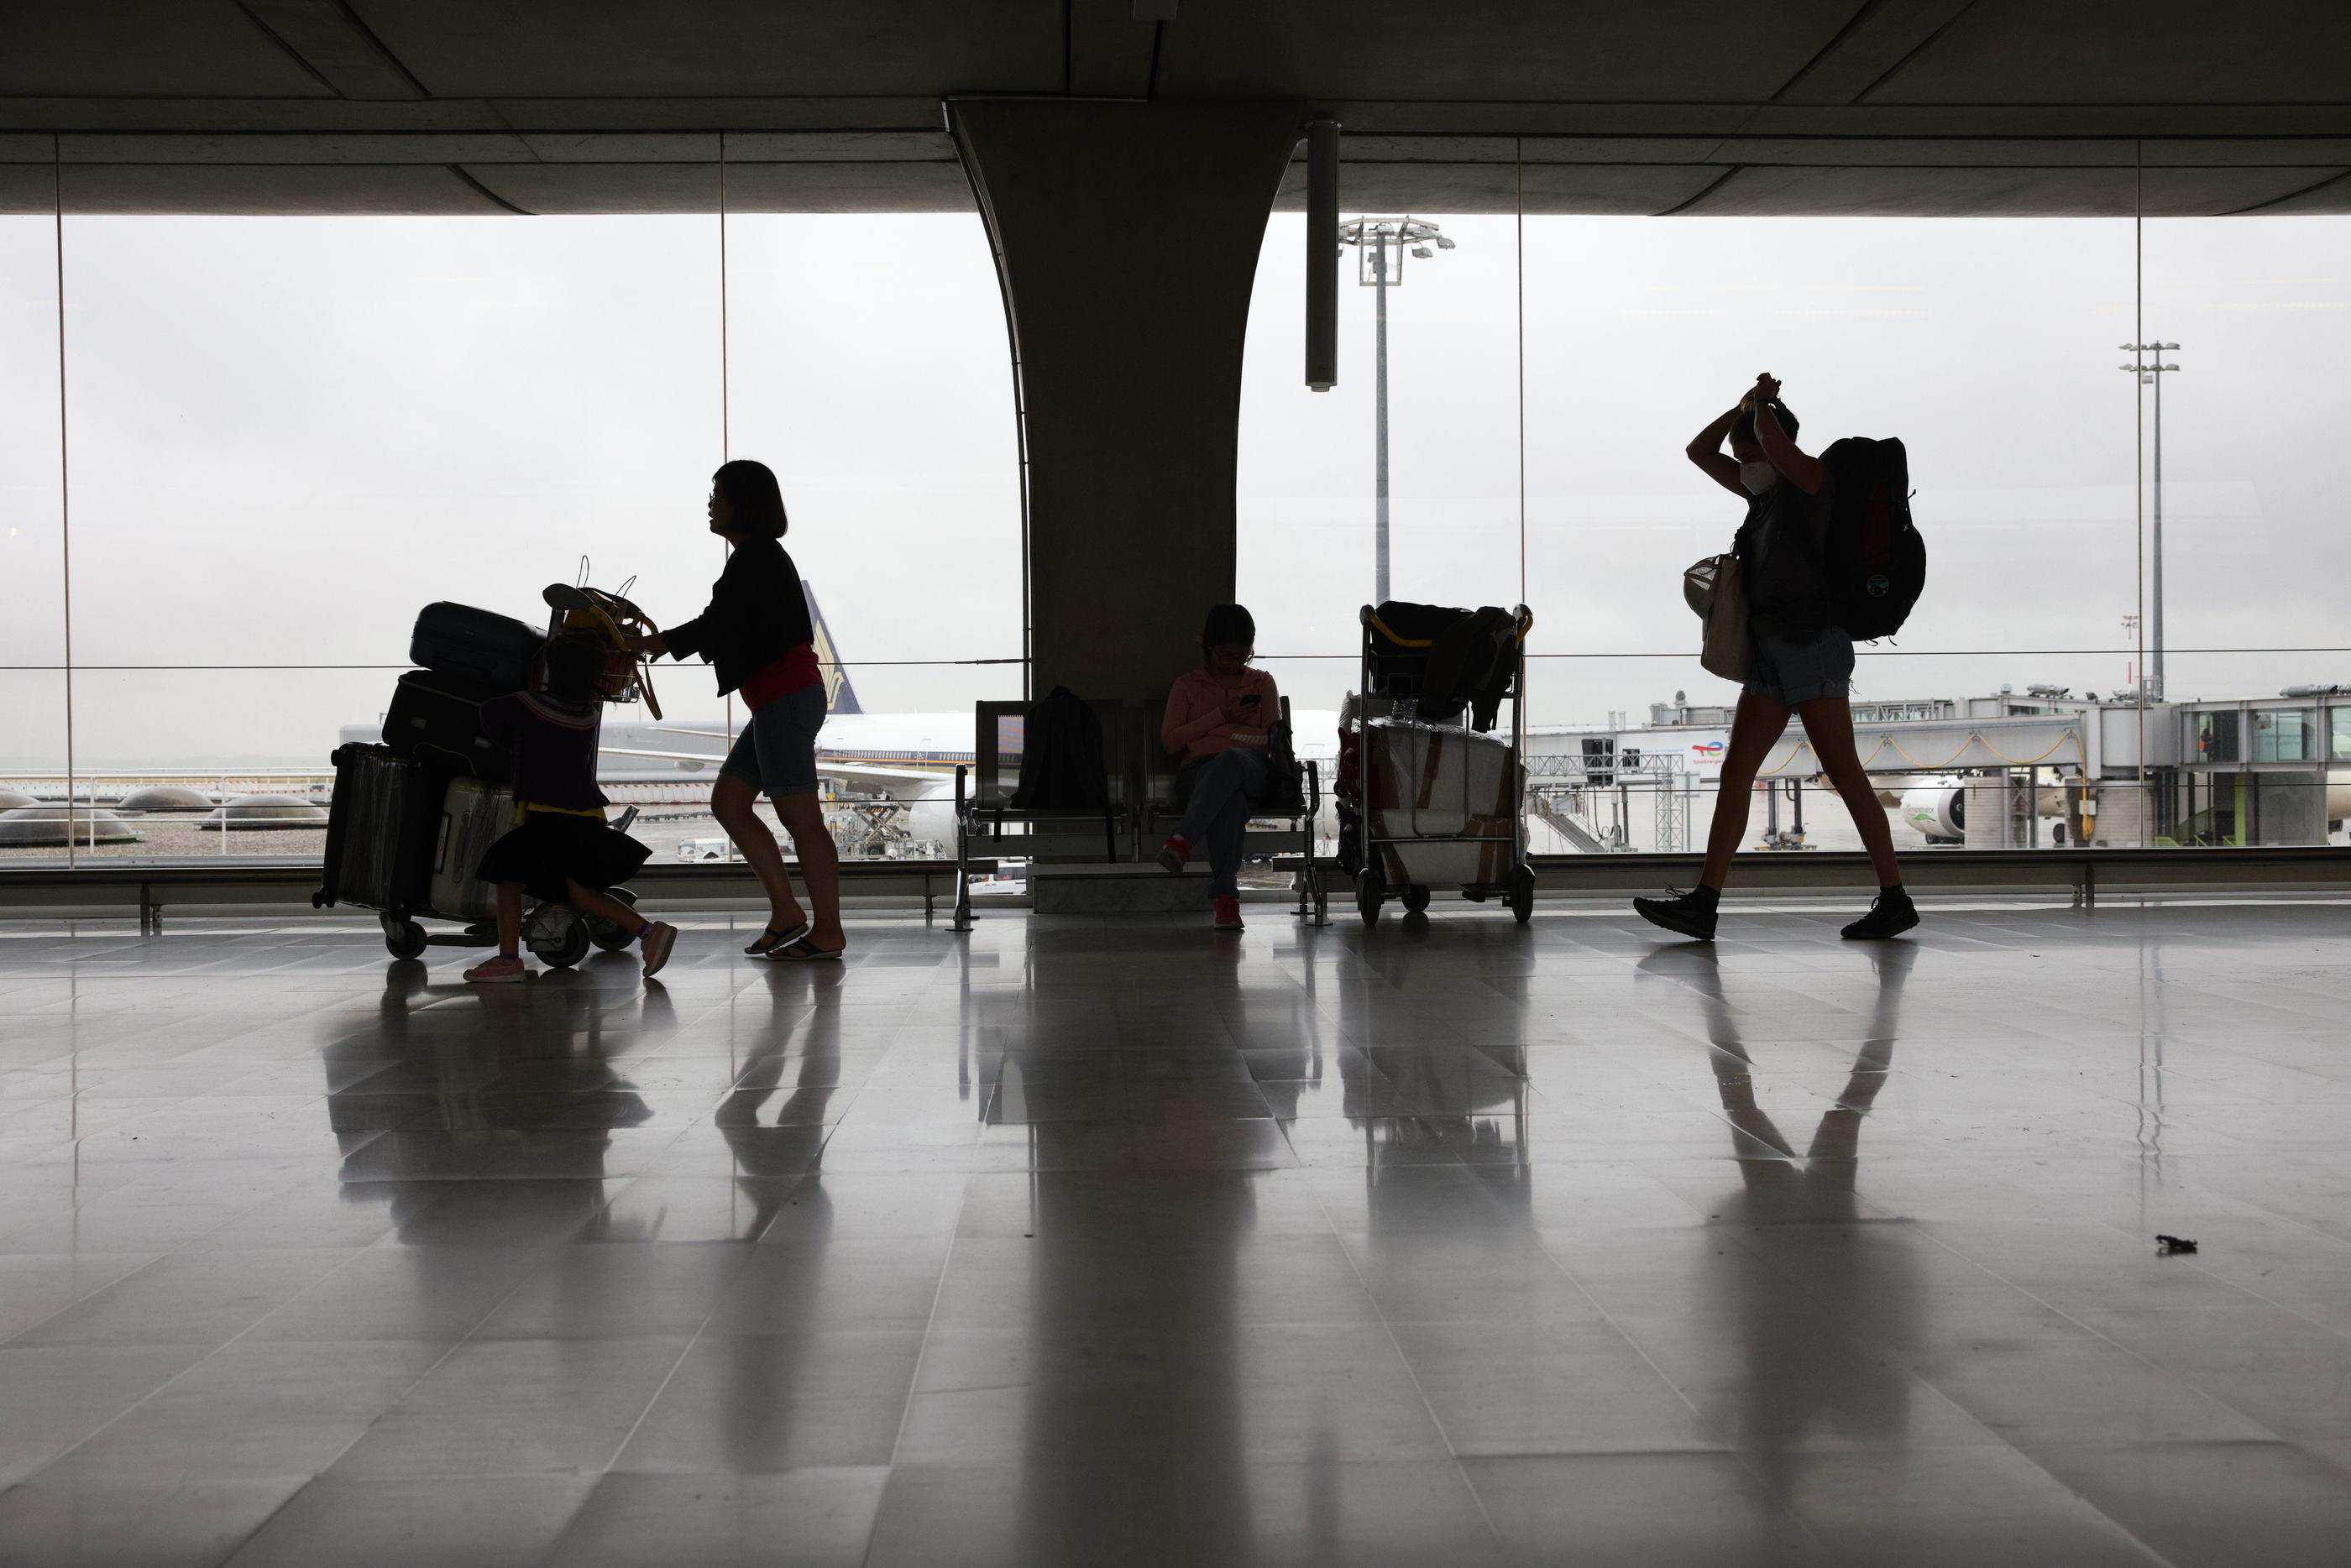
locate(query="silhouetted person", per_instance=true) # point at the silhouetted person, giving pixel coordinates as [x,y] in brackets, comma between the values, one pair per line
[562,851]
[1219,719]
[757,635]
[1803,661]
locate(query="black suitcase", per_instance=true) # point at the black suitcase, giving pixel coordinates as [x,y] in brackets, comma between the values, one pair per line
[380,827]
[476,644]
[437,719]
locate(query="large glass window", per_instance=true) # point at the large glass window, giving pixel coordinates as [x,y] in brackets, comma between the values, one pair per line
[2215,737]
[2251,309]
[2339,721]
[2079,408]
[289,434]
[2283,735]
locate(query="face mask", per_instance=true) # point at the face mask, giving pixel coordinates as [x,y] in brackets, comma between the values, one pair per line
[1757,477]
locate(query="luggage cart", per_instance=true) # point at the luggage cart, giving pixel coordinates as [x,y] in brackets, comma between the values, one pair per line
[403,838]
[406,827]
[1439,804]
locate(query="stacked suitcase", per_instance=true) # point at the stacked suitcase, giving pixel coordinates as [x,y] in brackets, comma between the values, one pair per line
[412,818]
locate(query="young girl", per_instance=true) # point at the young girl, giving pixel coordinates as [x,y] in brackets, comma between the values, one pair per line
[560,852]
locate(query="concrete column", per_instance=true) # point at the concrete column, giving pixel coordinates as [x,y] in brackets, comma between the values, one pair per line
[1126,238]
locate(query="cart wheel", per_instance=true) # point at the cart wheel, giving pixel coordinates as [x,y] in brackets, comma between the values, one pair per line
[1416,899]
[611,938]
[1371,891]
[557,935]
[402,939]
[1522,892]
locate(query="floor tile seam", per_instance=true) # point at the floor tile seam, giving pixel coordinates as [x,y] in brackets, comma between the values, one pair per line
[1746,1461]
[1751,1461]
[1453,1455]
[139,1404]
[2155,1369]
[922,1353]
[181,1249]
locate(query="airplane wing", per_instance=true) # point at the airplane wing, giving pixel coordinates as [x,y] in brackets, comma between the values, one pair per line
[843,770]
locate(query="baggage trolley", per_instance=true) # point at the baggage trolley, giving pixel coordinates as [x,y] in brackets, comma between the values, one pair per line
[402,840]
[406,826]
[1440,805]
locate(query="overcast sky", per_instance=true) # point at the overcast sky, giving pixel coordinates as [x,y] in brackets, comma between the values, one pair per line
[290,434]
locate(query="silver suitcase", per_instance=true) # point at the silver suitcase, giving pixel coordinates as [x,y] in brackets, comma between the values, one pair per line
[474,816]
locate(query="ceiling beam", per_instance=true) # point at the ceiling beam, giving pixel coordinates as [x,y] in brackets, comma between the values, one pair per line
[1880,39]
[327,36]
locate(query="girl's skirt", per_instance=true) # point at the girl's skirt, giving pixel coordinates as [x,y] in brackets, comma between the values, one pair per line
[551,849]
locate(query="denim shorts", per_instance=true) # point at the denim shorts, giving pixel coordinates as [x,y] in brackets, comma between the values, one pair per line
[775,752]
[1795,672]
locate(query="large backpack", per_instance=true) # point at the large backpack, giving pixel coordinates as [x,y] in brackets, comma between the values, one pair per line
[1875,561]
[1062,757]
[1448,659]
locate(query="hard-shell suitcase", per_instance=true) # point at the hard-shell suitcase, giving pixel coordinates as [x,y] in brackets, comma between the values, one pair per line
[478,644]
[437,720]
[474,816]
[379,829]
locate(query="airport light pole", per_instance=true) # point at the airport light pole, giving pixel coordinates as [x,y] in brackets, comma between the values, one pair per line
[2151,374]
[1382,243]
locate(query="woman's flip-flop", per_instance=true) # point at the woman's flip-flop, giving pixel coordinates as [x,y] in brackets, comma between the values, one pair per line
[774,937]
[802,950]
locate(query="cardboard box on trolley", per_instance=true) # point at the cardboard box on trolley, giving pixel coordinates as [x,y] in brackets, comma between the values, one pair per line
[1447,798]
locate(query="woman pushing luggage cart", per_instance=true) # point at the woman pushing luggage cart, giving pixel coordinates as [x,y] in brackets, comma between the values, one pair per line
[1438,801]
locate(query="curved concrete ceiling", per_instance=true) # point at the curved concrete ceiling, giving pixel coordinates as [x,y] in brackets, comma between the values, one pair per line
[1879,106]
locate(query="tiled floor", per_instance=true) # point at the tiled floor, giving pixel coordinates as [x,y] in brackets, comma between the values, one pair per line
[1066,1242]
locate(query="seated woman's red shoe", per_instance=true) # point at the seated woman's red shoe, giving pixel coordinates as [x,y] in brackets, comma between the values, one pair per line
[1175,852]
[1228,915]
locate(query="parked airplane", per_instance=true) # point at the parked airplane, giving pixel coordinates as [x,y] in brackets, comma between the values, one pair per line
[909,759]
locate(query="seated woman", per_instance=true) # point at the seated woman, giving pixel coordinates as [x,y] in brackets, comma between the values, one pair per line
[1220,719]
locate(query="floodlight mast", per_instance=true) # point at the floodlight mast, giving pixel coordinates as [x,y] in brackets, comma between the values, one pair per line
[2151,374]
[1381,244]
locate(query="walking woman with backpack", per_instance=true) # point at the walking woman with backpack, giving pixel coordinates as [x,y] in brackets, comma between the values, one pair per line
[757,633]
[1801,660]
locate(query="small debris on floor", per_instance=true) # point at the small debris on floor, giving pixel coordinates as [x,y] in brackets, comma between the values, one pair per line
[2166,1245]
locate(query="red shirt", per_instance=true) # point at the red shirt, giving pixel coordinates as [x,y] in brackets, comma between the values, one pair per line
[795,671]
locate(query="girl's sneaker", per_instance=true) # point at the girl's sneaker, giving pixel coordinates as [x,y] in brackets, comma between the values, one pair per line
[1175,852]
[504,967]
[656,939]
[1228,915]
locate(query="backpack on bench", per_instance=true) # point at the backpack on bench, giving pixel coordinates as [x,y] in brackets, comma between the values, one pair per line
[1062,757]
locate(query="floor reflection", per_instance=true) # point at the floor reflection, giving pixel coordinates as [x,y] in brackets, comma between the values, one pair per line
[1806,1251]
[1085,1242]
[439,1095]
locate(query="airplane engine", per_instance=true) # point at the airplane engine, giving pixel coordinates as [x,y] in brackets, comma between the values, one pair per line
[1938,811]
[933,819]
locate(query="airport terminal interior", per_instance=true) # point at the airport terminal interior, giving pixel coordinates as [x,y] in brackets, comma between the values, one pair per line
[1407,1199]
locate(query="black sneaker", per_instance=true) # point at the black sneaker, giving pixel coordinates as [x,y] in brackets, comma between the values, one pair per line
[1890,916]
[1687,914]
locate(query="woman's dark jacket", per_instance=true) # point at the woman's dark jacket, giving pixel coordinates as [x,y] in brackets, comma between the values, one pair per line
[758,614]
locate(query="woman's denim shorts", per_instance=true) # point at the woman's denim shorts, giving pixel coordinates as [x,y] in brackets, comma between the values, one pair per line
[1795,672]
[775,752]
